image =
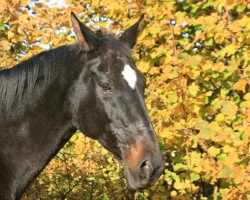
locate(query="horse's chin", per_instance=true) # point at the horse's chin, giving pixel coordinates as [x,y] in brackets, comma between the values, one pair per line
[134,183]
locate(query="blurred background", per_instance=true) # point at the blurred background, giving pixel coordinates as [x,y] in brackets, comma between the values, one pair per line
[196,57]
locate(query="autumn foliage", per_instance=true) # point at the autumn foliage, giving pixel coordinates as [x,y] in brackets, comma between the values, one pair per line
[195,55]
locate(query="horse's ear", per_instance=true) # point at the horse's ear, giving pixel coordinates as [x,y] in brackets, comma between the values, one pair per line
[86,37]
[130,35]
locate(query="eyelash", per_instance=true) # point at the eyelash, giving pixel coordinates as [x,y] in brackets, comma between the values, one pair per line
[105,86]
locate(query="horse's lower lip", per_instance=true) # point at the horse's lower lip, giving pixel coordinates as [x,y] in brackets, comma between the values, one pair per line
[156,176]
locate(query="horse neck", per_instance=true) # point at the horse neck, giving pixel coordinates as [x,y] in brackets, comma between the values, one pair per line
[41,110]
[41,80]
[40,119]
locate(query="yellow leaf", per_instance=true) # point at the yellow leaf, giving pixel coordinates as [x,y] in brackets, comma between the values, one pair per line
[228,149]
[165,133]
[23,3]
[195,109]
[143,35]
[229,108]
[149,42]
[213,151]
[193,89]
[23,17]
[180,18]
[95,2]
[240,85]
[220,117]
[231,49]
[218,38]
[143,66]
[154,71]
[10,35]
[154,29]
[244,21]
[4,45]
[179,185]
[207,66]
[173,193]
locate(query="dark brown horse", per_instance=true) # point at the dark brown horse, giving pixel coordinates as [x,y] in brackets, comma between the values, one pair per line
[92,86]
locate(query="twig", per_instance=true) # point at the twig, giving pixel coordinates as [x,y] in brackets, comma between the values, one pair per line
[189,174]
[174,43]
[188,132]
[215,195]
[229,16]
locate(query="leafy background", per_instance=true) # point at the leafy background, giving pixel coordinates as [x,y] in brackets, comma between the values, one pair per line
[195,55]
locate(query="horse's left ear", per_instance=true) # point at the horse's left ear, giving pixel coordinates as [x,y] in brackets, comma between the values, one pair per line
[85,35]
[130,35]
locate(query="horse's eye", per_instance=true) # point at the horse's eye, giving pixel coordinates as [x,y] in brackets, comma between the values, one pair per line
[105,86]
[93,73]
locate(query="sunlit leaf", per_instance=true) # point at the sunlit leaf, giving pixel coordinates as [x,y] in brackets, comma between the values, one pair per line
[241,85]
[213,151]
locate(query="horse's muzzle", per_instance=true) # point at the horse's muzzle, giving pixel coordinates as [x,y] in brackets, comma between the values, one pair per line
[146,174]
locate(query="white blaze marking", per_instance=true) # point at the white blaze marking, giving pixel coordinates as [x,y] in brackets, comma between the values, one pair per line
[129,75]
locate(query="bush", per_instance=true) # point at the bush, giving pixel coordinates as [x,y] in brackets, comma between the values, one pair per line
[195,55]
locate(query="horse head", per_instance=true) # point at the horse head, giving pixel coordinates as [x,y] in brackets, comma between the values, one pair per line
[109,102]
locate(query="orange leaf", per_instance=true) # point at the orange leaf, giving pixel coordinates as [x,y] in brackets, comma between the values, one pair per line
[3,5]
[240,85]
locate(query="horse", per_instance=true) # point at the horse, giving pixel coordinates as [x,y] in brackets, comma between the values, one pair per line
[93,86]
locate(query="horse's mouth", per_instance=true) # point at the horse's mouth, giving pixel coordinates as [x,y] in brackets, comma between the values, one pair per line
[136,183]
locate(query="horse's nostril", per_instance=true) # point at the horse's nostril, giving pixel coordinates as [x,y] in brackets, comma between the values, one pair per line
[143,164]
[145,169]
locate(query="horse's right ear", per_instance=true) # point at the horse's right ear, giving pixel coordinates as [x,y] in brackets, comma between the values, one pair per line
[85,36]
[130,35]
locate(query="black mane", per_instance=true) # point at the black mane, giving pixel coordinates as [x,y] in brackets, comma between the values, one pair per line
[22,78]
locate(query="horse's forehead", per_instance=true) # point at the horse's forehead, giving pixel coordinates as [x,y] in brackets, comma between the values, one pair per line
[115,59]
[120,63]
[115,55]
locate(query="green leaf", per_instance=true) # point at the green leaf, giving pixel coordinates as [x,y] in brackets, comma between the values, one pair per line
[240,7]
[2,27]
[195,61]
[173,97]
[184,56]
[194,176]
[205,130]
[215,75]
[222,157]
[179,166]
[209,42]
[227,172]
[195,8]
[184,41]
[207,4]
[185,5]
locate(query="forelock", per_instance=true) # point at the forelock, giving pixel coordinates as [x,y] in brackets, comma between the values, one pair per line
[112,42]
